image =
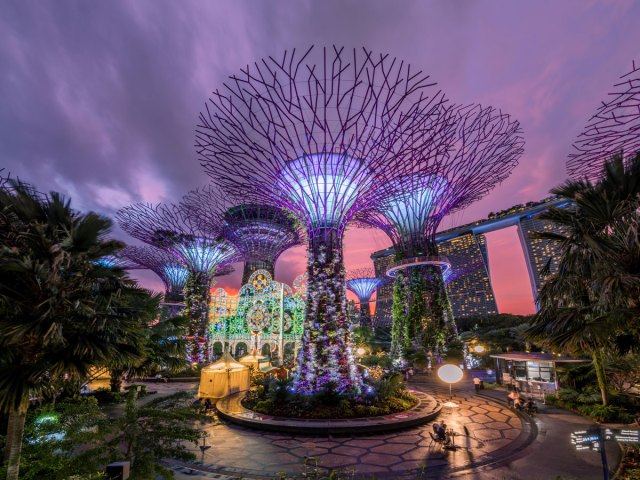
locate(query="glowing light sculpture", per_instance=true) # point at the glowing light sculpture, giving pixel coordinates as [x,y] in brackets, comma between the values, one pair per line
[482,148]
[613,129]
[260,232]
[171,228]
[363,282]
[322,134]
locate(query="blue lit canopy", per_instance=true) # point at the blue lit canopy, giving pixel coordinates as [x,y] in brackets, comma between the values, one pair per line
[364,287]
[410,209]
[176,275]
[204,255]
[323,188]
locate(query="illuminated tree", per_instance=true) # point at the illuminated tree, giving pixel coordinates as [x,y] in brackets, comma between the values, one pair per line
[363,283]
[325,134]
[482,149]
[169,227]
[260,232]
[614,129]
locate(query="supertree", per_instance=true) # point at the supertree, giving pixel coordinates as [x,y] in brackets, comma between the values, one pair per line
[614,129]
[260,232]
[323,134]
[169,227]
[170,269]
[484,146]
[363,282]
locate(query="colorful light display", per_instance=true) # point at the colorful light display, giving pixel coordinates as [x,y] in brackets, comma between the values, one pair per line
[363,283]
[613,129]
[323,134]
[264,313]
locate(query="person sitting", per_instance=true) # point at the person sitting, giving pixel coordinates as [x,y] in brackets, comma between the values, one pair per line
[530,406]
[207,405]
[440,429]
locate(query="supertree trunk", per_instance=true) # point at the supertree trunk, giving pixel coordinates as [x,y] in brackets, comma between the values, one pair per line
[251,266]
[430,323]
[399,314]
[365,315]
[326,361]
[196,299]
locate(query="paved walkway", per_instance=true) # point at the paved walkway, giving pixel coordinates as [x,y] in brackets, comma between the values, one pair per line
[486,433]
[496,445]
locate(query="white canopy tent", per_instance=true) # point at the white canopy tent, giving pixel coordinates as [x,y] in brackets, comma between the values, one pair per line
[223,377]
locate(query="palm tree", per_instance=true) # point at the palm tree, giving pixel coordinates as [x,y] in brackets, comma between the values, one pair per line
[586,306]
[61,310]
[163,347]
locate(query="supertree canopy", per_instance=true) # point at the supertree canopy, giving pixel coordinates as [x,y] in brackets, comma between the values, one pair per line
[170,269]
[324,134]
[169,227]
[363,283]
[614,129]
[259,232]
[483,147]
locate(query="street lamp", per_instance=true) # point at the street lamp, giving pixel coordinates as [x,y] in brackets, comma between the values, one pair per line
[479,349]
[450,374]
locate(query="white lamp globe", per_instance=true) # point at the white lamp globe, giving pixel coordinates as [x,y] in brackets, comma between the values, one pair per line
[450,373]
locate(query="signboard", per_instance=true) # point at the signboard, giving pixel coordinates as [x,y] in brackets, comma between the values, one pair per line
[590,439]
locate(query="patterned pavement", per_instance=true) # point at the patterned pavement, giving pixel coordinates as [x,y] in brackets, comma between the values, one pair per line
[486,432]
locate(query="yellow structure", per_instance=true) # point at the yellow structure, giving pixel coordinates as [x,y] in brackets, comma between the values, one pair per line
[223,377]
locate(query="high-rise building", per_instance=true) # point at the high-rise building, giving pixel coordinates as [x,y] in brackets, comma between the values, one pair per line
[469,287]
[538,252]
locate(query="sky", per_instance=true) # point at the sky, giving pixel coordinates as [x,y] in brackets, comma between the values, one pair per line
[99,100]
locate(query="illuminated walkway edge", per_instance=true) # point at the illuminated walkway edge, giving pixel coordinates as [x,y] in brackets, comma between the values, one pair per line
[427,409]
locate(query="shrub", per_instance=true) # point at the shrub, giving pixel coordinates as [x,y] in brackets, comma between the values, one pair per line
[568,395]
[105,396]
[608,413]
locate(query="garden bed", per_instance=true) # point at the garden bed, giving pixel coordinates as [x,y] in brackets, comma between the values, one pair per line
[312,407]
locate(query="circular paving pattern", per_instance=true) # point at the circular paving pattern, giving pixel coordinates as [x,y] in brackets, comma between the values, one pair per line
[487,432]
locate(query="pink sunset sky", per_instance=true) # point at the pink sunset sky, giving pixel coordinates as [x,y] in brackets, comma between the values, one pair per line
[100,99]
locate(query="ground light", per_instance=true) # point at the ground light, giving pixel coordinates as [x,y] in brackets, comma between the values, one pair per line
[479,349]
[361,351]
[450,374]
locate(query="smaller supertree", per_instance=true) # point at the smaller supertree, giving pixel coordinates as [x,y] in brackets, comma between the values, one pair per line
[363,282]
[613,129]
[171,228]
[171,271]
[260,232]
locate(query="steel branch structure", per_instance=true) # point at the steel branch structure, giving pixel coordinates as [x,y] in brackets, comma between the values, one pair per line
[614,129]
[363,282]
[483,149]
[325,134]
[260,232]
[171,228]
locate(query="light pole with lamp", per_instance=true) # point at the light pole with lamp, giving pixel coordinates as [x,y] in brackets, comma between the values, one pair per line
[450,374]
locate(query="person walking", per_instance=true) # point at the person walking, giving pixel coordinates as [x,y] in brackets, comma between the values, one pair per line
[476,384]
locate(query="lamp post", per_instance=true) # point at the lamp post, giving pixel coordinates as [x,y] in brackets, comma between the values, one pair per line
[450,374]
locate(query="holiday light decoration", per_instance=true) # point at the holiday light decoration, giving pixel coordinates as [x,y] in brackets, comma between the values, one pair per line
[363,283]
[170,227]
[324,134]
[483,148]
[264,312]
[259,232]
[614,129]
